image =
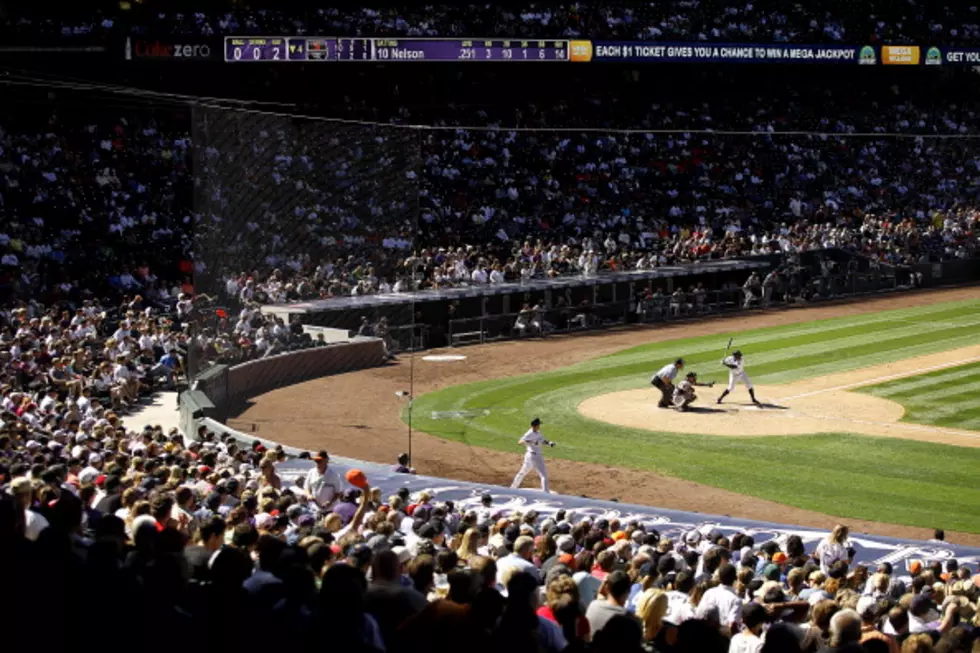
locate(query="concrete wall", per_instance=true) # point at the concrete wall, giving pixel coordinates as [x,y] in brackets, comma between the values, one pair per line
[222,390]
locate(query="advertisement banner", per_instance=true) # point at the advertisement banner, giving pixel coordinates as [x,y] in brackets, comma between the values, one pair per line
[900,55]
[171,48]
[652,51]
[936,56]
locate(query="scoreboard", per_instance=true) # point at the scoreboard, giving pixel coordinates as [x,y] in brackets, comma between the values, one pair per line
[274,49]
[279,48]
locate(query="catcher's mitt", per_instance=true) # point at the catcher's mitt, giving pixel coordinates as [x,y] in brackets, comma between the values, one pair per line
[711,384]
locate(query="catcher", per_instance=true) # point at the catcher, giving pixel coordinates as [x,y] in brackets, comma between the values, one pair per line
[684,391]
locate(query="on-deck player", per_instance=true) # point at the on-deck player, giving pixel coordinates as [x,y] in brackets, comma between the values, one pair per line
[533,459]
[663,380]
[736,372]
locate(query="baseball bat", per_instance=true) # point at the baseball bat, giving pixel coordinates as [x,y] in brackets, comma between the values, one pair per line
[730,341]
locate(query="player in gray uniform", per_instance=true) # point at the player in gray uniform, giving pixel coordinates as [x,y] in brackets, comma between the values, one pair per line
[684,391]
[736,372]
[663,380]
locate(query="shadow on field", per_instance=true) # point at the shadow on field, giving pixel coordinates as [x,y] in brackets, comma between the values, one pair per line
[704,410]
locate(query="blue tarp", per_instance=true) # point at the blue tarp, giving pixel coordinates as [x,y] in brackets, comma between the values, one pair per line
[871,549]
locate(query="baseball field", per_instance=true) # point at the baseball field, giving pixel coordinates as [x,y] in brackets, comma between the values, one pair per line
[870,415]
[851,408]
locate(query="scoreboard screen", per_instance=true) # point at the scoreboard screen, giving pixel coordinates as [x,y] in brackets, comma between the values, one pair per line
[317,48]
[280,48]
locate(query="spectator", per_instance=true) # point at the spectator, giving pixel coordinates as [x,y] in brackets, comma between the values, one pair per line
[611,601]
[720,604]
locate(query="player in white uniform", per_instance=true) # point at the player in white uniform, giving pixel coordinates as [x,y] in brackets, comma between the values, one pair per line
[533,441]
[736,372]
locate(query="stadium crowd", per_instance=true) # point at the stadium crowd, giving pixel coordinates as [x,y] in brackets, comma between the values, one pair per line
[110,217]
[104,202]
[205,538]
[903,21]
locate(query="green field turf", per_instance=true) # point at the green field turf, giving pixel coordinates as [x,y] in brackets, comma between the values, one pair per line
[882,479]
[949,397]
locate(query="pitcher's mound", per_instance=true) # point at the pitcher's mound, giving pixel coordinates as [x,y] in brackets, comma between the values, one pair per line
[782,413]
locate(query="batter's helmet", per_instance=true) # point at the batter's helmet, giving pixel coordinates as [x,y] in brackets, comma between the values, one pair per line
[737,354]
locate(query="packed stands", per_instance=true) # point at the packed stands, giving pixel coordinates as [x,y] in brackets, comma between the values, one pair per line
[675,20]
[113,211]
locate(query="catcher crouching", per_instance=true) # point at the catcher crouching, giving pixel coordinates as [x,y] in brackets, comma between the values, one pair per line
[684,394]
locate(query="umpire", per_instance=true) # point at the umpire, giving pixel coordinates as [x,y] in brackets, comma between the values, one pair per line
[664,381]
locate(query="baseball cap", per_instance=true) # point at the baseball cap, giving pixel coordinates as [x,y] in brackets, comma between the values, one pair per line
[920,605]
[771,572]
[779,557]
[360,554]
[566,543]
[20,485]
[404,555]
[321,455]
[867,606]
[536,422]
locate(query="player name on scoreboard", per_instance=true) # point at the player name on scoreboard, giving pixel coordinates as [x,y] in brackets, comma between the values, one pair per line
[252,48]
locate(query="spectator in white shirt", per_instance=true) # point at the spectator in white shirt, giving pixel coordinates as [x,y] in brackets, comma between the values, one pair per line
[721,604]
[34,522]
[323,484]
[833,548]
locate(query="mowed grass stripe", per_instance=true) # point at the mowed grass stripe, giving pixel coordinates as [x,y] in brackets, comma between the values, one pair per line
[828,357]
[952,387]
[924,384]
[922,314]
[951,398]
[882,479]
[776,349]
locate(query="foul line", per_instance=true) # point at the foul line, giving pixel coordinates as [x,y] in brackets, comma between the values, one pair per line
[899,425]
[881,379]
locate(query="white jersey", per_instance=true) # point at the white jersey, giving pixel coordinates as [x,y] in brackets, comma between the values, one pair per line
[667,373]
[533,440]
[739,364]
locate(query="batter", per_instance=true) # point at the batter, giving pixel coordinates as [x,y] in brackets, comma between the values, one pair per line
[736,372]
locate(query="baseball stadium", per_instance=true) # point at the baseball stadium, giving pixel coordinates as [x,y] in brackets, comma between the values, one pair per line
[592,327]
[868,413]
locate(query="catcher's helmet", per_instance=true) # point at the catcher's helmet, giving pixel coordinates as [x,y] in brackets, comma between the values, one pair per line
[692,375]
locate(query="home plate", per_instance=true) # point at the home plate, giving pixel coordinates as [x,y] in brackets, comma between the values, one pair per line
[443,358]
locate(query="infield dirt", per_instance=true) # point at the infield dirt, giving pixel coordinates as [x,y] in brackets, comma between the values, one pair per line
[358,415]
[808,406]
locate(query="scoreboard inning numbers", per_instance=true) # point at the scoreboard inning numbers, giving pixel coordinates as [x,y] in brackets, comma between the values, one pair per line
[273,49]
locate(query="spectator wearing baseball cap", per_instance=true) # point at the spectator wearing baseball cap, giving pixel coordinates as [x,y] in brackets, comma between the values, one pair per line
[870,612]
[323,483]
[22,491]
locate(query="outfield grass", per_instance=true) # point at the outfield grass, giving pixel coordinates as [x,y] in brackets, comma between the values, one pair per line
[882,479]
[949,397]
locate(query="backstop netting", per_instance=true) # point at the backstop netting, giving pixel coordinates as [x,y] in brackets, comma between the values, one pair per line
[291,212]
